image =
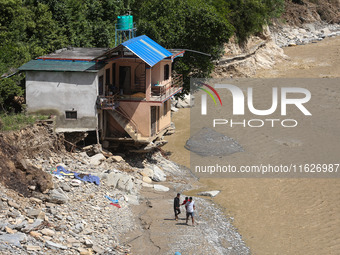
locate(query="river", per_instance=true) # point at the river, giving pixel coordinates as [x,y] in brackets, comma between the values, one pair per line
[282,216]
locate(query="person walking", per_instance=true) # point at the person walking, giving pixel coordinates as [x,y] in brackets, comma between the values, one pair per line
[190,206]
[177,206]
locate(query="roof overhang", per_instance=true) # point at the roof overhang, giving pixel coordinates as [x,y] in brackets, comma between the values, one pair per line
[62,66]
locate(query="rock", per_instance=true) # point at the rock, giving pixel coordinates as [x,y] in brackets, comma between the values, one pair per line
[29,227]
[14,239]
[33,248]
[57,196]
[98,249]
[35,234]
[116,158]
[65,187]
[13,204]
[33,213]
[147,185]
[147,171]
[9,230]
[83,251]
[48,232]
[326,31]
[51,244]
[112,179]
[75,183]
[72,240]
[48,238]
[41,216]
[158,174]
[132,200]
[97,159]
[211,193]
[147,180]
[35,200]
[159,187]
[62,227]
[88,243]
[106,153]
[121,181]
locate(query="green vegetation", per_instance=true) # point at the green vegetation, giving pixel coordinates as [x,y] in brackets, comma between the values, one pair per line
[17,121]
[31,28]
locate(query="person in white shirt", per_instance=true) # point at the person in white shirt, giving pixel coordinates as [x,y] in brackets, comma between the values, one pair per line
[190,206]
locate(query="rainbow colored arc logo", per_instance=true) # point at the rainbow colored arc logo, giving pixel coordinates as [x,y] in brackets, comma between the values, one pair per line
[209,93]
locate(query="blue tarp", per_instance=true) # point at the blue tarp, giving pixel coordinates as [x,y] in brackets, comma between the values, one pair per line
[83,177]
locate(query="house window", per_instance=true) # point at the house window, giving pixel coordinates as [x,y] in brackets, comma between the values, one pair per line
[71,115]
[107,77]
[166,72]
[166,107]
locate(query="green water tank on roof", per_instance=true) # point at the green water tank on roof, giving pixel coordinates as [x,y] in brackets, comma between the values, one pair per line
[125,22]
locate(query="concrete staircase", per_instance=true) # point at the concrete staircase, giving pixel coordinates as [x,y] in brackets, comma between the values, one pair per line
[128,126]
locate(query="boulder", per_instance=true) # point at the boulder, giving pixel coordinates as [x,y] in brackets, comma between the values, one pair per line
[158,174]
[121,181]
[147,179]
[211,193]
[159,187]
[97,159]
[57,196]
[112,179]
[147,172]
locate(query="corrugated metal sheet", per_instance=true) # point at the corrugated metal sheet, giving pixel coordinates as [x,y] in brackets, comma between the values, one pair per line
[146,49]
[61,66]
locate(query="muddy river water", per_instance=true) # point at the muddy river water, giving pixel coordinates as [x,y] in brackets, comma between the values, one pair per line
[283,216]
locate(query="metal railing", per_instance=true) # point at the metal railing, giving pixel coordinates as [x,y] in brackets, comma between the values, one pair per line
[161,92]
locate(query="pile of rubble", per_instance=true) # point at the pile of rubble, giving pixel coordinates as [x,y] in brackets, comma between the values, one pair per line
[72,216]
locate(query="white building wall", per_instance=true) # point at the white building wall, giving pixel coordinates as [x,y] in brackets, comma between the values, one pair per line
[57,92]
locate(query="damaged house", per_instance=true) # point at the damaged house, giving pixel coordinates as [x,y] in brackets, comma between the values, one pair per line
[122,93]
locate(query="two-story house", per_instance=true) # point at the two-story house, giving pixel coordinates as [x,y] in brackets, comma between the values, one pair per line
[123,93]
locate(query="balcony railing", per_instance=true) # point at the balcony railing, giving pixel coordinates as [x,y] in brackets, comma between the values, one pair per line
[158,93]
[163,91]
[107,102]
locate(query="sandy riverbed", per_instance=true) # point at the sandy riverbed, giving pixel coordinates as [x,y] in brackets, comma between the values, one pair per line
[283,216]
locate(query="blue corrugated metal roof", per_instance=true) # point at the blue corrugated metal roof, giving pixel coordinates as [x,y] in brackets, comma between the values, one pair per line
[146,49]
[61,66]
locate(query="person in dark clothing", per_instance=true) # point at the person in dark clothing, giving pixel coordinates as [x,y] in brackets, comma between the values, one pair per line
[176,206]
